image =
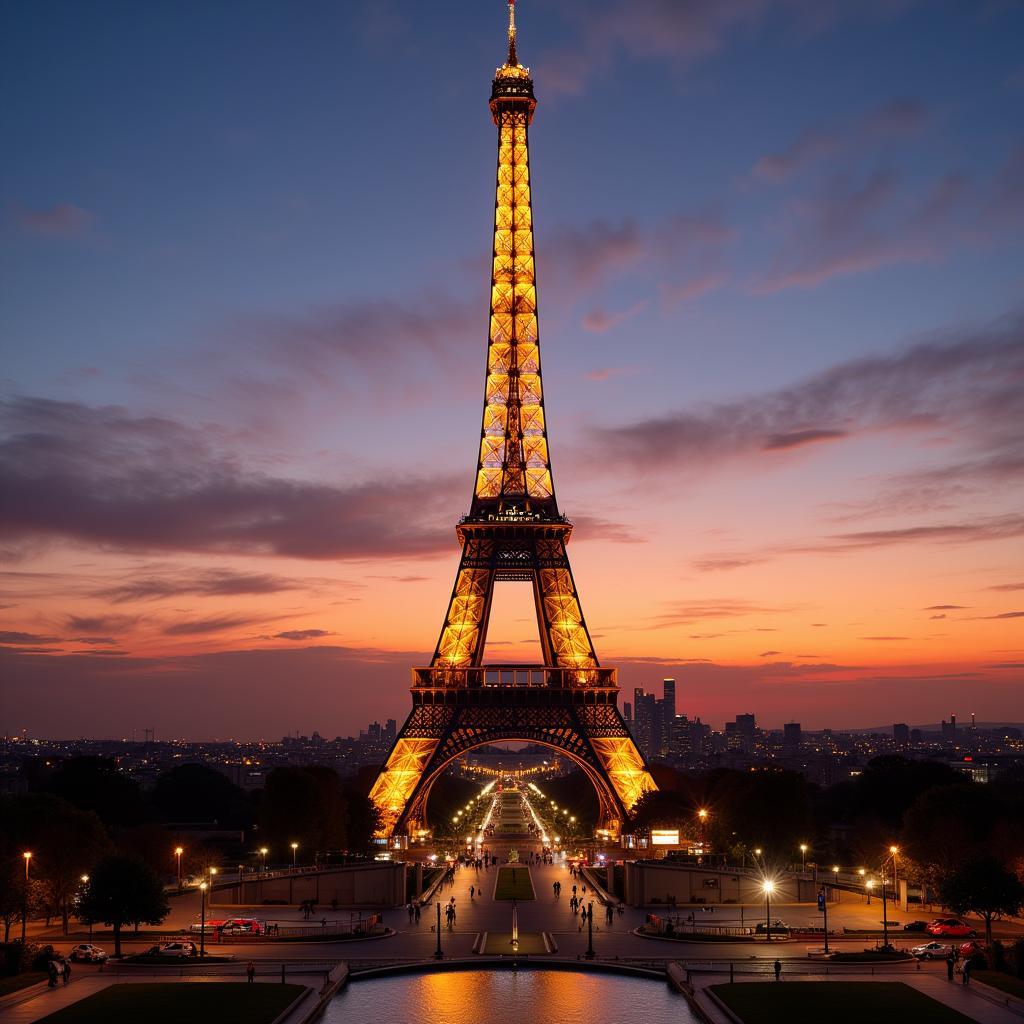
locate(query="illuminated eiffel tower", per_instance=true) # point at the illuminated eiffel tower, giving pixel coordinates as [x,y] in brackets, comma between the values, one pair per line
[514,531]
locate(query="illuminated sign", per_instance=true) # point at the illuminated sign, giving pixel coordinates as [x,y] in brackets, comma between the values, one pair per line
[664,837]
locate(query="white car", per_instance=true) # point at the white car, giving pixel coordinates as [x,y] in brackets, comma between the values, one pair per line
[180,949]
[930,951]
[86,952]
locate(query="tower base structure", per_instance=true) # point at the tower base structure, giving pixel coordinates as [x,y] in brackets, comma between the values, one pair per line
[573,711]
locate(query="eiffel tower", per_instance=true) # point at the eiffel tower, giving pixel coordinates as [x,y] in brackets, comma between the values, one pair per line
[514,531]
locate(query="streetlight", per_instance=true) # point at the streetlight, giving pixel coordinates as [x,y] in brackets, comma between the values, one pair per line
[263,853]
[803,859]
[885,918]
[24,910]
[178,851]
[895,852]
[769,887]
[85,881]
[202,920]
[295,854]
[868,886]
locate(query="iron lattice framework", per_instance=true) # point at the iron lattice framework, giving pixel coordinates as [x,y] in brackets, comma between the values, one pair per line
[514,531]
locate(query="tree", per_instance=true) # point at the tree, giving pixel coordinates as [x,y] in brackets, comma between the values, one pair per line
[123,890]
[65,843]
[97,784]
[196,792]
[305,805]
[983,886]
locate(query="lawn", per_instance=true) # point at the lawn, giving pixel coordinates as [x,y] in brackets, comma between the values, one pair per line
[1004,982]
[838,1002]
[177,1001]
[530,944]
[17,981]
[514,883]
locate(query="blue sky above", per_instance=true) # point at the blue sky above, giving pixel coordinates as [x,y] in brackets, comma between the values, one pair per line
[260,231]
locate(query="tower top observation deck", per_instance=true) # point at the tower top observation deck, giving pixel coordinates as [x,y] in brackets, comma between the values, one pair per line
[512,86]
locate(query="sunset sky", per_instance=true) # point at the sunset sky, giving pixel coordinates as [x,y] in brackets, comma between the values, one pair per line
[243,312]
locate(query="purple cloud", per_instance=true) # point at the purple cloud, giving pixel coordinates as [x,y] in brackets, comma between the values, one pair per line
[62,221]
[103,476]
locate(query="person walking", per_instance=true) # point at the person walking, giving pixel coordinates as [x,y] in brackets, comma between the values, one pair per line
[52,971]
[250,972]
[950,964]
[417,913]
[778,970]
[966,971]
[66,972]
[472,891]
[411,911]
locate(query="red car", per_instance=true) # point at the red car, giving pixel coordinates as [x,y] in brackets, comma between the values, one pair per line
[952,927]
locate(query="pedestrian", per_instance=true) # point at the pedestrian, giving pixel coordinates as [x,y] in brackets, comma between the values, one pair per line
[66,972]
[250,972]
[410,909]
[778,969]
[417,913]
[52,971]
[472,891]
[950,964]
[967,971]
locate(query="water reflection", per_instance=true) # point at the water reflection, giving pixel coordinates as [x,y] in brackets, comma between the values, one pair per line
[508,997]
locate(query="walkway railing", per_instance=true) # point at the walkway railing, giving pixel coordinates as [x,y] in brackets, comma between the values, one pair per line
[493,676]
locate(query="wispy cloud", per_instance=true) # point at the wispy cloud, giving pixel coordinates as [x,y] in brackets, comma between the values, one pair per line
[106,477]
[65,220]
[970,385]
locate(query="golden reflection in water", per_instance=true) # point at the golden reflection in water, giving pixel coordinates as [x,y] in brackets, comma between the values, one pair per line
[508,997]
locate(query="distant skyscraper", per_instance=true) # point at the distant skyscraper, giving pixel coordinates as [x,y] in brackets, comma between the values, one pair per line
[627,711]
[668,693]
[901,734]
[645,708]
[390,730]
[791,735]
[949,728]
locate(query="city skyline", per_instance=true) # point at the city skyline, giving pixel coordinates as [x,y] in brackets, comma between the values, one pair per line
[783,367]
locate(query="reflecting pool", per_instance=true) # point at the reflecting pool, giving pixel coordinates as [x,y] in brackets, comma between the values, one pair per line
[508,997]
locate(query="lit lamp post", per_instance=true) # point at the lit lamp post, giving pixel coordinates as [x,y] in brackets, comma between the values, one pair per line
[295,854]
[263,855]
[885,918]
[24,910]
[868,886]
[769,887]
[202,920]
[803,859]
[590,932]
[895,852]
[85,882]
[178,851]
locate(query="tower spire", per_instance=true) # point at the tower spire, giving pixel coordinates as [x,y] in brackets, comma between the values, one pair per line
[512,58]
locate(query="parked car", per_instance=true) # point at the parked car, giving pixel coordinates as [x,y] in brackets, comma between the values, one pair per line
[952,927]
[930,951]
[915,926]
[972,948]
[175,949]
[86,952]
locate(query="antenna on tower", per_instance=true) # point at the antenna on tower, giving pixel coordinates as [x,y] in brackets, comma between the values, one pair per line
[512,59]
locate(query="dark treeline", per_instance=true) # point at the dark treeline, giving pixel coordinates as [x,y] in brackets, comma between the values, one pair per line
[87,812]
[962,840]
